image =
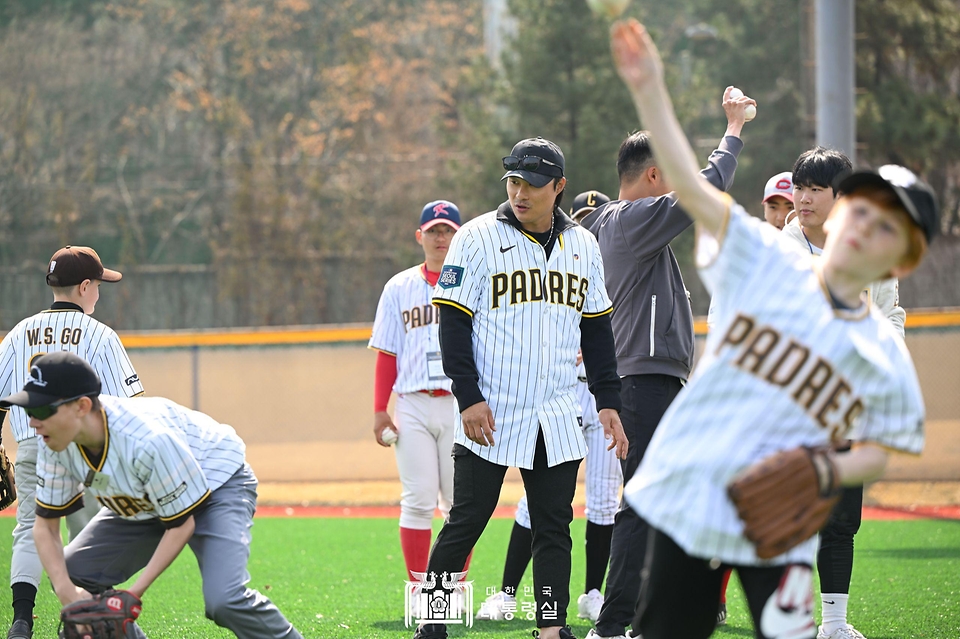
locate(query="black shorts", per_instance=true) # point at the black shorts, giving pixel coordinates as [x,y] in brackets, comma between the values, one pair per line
[680,595]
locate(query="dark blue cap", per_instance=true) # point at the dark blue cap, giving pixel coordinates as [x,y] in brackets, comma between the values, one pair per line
[439,212]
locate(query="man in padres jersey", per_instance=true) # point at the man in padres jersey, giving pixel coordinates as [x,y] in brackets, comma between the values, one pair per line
[520,290]
[602,486]
[406,334]
[168,476]
[75,274]
[805,365]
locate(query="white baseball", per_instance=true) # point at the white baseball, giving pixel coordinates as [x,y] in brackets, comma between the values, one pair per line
[750,112]
[609,8]
[389,436]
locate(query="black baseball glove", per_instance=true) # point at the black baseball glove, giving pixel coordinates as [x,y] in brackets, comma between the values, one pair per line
[8,487]
[104,617]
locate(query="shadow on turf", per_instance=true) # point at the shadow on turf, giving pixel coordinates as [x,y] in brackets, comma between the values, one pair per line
[913,553]
[509,628]
[728,630]
[505,628]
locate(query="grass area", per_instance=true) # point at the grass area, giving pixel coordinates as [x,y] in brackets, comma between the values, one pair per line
[343,578]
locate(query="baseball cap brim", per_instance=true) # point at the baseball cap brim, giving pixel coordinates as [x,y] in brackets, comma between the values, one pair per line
[109,275]
[787,196]
[28,399]
[433,223]
[582,212]
[537,180]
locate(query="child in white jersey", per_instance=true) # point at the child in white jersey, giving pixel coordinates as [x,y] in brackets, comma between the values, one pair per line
[167,476]
[74,274]
[805,365]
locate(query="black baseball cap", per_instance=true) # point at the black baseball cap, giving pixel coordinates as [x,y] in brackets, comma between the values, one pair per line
[54,377]
[538,148]
[72,264]
[916,196]
[585,203]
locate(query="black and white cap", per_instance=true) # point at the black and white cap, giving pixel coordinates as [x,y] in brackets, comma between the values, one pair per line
[55,377]
[916,196]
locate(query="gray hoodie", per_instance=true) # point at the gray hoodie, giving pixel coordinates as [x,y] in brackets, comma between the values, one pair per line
[652,319]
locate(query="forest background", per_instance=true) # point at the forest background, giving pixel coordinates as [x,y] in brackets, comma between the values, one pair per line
[264,162]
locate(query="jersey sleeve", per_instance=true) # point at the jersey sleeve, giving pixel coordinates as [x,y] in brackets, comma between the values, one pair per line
[172,478]
[58,492]
[115,369]
[388,328]
[6,370]
[742,249]
[597,302]
[895,420]
[462,278]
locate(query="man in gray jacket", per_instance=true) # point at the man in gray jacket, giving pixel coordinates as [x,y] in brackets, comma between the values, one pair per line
[652,326]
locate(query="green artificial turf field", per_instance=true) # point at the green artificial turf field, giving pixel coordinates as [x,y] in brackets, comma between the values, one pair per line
[344,578]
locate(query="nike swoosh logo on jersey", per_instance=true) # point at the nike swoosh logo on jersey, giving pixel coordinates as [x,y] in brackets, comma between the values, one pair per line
[830,602]
[504,249]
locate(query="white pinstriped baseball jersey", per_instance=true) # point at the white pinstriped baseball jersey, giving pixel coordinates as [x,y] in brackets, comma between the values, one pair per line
[781,368]
[526,312]
[65,327]
[160,460]
[407,326]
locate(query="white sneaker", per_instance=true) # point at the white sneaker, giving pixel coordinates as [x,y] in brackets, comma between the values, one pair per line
[497,606]
[589,605]
[593,635]
[843,632]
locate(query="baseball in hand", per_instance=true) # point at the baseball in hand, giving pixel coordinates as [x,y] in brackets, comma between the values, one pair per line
[389,436]
[609,8]
[751,111]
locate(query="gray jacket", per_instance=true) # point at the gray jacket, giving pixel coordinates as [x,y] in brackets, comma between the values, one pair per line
[652,319]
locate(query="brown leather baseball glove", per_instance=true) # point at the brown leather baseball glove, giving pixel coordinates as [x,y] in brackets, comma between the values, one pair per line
[786,498]
[8,486]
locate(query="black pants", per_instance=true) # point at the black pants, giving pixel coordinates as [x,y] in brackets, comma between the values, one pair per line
[835,558]
[476,489]
[645,399]
[680,594]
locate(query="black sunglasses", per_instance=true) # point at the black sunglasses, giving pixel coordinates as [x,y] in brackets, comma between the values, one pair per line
[528,163]
[46,412]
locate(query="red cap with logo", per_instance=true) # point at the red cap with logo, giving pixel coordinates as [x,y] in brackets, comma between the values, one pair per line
[780,185]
